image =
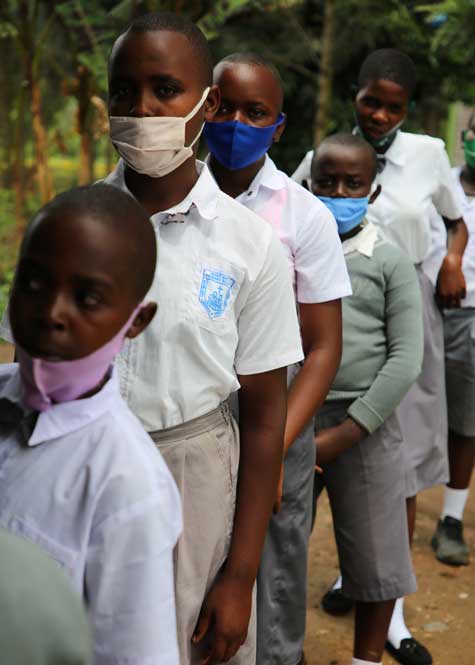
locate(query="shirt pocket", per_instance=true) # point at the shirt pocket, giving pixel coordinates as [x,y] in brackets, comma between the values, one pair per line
[212,293]
[65,557]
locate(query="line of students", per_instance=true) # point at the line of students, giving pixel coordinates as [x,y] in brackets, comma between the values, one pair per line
[227,322]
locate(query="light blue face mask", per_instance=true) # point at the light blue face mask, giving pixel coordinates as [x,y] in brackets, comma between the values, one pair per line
[349,213]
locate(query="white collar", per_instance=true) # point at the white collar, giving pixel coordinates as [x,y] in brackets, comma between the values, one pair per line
[363,242]
[64,418]
[268,176]
[202,195]
[396,153]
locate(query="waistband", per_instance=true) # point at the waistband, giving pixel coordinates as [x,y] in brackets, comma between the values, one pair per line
[205,423]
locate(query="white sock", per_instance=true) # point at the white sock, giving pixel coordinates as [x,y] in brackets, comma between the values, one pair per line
[337,584]
[358,661]
[397,628]
[454,503]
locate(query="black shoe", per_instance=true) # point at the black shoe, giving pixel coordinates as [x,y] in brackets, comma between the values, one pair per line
[336,603]
[410,652]
[448,543]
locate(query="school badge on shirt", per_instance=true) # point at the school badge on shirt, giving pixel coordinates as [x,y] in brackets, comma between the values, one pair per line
[215,290]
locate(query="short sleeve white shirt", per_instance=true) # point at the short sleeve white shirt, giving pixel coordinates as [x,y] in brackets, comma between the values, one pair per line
[86,484]
[307,231]
[226,307]
[439,242]
[415,179]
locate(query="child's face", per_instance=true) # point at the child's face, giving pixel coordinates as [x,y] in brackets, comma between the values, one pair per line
[154,74]
[342,171]
[249,94]
[71,292]
[380,106]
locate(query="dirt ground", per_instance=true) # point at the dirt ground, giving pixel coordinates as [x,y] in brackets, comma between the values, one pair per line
[441,614]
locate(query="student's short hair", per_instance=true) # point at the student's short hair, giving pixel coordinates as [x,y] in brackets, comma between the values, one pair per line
[256,60]
[349,141]
[120,212]
[389,64]
[170,22]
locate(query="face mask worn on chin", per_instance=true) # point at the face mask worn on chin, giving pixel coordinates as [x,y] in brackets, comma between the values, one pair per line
[469,152]
[236,145]
[46,382]
[154,146]
[384,141]
[349,213]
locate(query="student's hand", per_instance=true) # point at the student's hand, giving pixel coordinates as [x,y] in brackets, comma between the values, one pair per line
[225,612]
[280,489]
[333,441]
[450,287]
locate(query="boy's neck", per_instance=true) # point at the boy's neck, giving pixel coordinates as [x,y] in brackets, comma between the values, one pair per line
[467,176]
[234,183]
[351,234]
[158,194]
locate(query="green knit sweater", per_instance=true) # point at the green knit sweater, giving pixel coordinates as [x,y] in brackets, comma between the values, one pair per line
[382,334]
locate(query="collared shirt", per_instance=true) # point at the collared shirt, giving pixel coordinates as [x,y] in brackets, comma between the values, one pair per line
[226,307]
[84,482]
[363,242]
[415,178]
[439,243]
[307,231]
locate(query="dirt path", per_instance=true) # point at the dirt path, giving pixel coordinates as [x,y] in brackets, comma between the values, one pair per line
[441,614]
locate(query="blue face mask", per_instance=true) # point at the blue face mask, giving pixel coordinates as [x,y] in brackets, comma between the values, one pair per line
[349,213]
[236,145]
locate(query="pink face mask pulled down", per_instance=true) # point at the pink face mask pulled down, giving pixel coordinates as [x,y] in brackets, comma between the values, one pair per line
[46,382]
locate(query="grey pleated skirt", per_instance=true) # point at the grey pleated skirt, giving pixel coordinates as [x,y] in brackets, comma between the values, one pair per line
[423,411]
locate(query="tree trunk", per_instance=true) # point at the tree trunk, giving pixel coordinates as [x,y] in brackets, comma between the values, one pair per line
[43,173]
[325,76]
[85,127]
[18,171]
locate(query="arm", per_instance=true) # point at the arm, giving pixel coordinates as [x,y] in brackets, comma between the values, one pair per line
[450,286]
[129,585]
[262,412]
[320,328]
[403,324]
[450,280]
[269,340]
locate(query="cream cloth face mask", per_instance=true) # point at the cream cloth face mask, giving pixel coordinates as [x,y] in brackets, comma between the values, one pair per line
[154,146]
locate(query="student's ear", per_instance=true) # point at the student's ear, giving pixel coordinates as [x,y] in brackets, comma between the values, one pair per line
[375,194]
[212,102]
[280,129]
[141,321]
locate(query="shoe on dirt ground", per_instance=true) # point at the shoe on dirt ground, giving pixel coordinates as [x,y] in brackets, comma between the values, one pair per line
[448,543]
[410,652]
[336,603]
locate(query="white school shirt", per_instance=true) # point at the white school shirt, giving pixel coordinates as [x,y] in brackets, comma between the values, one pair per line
[87,485]
[226,307]
[307,231]
[439,243]
[416,177]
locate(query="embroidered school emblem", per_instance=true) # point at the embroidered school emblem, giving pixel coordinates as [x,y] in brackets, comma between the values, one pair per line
[215,290]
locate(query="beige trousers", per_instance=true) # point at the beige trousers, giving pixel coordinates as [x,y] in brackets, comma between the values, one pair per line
[203,457]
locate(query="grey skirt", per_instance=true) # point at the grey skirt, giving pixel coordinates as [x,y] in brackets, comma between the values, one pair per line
[459,329]
[366,489]
[423,411]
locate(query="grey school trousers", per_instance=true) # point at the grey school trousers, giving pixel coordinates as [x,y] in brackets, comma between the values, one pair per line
[203,457]
[282,579]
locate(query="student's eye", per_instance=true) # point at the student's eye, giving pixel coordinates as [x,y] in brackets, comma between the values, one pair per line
[31,284]
[166,91]
[119,92]
[371,103]
[395,108]
[354,184]
[89,299]
[224,109]
[323,183]
[256,113]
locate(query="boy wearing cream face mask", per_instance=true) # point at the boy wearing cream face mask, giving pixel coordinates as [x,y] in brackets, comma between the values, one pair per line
[227,321]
